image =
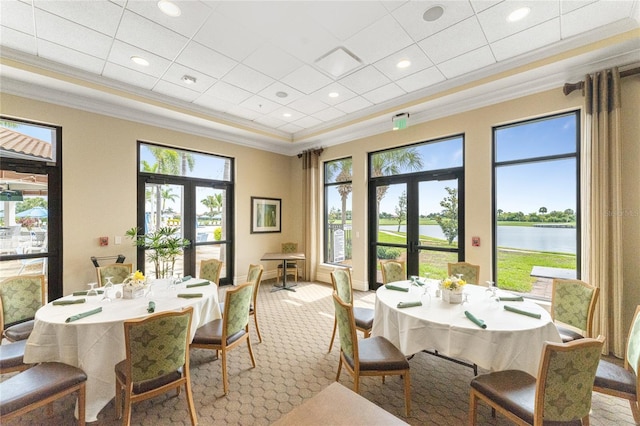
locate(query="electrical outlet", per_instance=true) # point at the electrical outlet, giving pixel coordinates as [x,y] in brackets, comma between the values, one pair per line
[117,239]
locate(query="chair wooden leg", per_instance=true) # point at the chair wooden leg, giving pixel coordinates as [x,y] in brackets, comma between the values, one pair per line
[367,333]
[407,393]
[224,372]
[473,408]
[126,421]
[253,360]
[333,334]
[82,404]
[192,407]
[356,383]
[635,410]
[339,369]
[255,320]
[585,420]
[118,400]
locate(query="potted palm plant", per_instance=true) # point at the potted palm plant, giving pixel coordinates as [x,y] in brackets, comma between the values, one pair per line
[162,247]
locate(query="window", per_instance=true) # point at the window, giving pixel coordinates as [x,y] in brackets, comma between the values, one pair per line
[536,216]
[337,204]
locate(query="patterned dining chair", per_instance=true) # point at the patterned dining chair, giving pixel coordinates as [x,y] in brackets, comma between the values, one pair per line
[573,303]
[157,360]
[255,276]
[470,272]
[393,270]
[20,297]
[561,392]
[292,266]
[210,270]
[117,271]
[342,285]
[231,330]
[375,356]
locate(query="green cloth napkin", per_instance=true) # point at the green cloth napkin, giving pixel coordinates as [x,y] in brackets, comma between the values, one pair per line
[511,299]
[203,283]
[187,278]
[480,323]
[395,287]
[83,314]
[520,311]
[84,292]
[68,302]
[152,307]
[409,304]
[189,295]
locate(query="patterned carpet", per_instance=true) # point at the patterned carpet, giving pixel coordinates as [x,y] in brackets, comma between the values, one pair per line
[293,365]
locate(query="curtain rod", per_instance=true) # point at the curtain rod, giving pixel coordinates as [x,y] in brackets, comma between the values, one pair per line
[570,87]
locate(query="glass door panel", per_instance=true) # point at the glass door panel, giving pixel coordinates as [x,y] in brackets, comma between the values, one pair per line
[211,226]
[391,226]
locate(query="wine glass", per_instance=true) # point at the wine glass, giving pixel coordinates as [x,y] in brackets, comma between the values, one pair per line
[108,287]
[92,291]
[174,282]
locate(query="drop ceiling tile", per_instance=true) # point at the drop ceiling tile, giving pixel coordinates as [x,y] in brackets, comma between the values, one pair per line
[175,91]
[128,76]
[384,93]
[17,40]
[307,122]
[353,105]
[308,105]
[421,79]
[494,20]
[527,40]
[467,34]
[247,78]
[269,121]
[568,6]
[468,62]
[192,15]
[242,112]
[272,61]
[228,93]
[595,15]
[379,40]
[260,104]
[176,71]
[64,55]
[291,128]
[306,79]
[225,35]
[102,16]
[271,91]
[364,80]
[136,30]
[328,114]
[66,33]
[121,54]
[213,102]
[205,60]
[286,114]
[345,19]
[344,94]
[410,17]
[413,53]
[17,16]
[480,5]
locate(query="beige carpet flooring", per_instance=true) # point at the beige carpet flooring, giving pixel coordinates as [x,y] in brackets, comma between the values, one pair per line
[293,365]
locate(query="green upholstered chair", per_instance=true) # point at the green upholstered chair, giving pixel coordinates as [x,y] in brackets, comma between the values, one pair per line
[561,392]
[470,272]
[157,360]
[11,357]
[622,382]
[231,330]
[20,296]
[375,356]
[117,271]
[292,266]
[255,276]
[210,270]
[393,270]
[342,285]
[573,303]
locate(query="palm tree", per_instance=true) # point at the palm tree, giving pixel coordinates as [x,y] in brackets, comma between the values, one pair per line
[392,162]
[343,169]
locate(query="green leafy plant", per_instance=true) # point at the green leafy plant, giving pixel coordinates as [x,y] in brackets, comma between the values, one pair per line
[162,247]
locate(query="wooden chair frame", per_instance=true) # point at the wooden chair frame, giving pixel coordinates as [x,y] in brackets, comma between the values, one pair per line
[99,270]
[256,288]
[43,296]
[292,265]
[216,279]
[402,263]
[365,331]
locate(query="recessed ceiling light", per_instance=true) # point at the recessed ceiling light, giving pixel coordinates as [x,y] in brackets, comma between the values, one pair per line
[282,94]
[334,94]
[518,14]
[187,79]
[169,8]
[286,114]
[405,63]
[433,13]
[140,61]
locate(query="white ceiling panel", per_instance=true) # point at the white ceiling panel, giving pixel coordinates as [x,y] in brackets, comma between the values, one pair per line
[496,26]
[193,14]
[276,92]
[419,61]
[308,105]
[121,54]
[18,40]
[100,16]
[228,93]
[176,90]
[307,79]
[421,79]
[17,16]
[224,34]
[345,19]
[468,62]
[365,80]
[354,104]
[379,40]
[273,62]
[384,93]
[328,114]
[128,76]
[527,40]
[248,78]
[595,15]
[459,38]
[64,55]
[176,72]
[410,16]
[154,38]
[208,61]
[260,104]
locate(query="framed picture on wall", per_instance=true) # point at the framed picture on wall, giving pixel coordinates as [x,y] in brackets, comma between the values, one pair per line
[266,214]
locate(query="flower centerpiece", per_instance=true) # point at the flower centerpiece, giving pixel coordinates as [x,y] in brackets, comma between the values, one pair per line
[134,285]
[452,289]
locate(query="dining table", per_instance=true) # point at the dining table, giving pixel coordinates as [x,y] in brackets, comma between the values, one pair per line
[88,331]
[495,330]
[284,258]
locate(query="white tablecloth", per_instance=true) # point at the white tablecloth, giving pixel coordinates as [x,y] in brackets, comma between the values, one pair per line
[510,341]
[96,343]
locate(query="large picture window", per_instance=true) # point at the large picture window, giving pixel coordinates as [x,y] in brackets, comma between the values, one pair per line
[536,214]
[337,213]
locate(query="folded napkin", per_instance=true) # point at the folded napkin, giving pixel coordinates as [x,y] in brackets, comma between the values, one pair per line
[418,282]
[520,311]
[409,304]
[480,323]
[187,278]
[395,287]
[511,299]
[68,302]
[83,314]
[152,307]
[84,292]
[203,283]
[189,295]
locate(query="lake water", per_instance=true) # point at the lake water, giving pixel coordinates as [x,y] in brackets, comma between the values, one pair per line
[561,240]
